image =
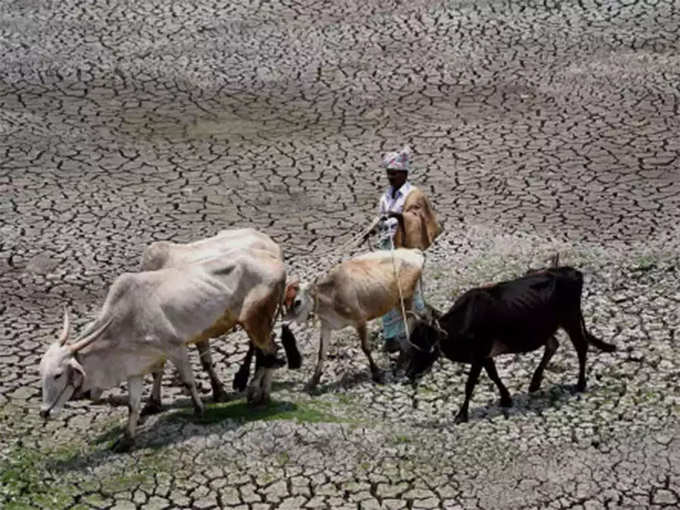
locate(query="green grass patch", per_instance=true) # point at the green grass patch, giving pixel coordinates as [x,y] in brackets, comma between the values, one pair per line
[282,458]
[109,436]
[346,399]
[644,262]
[53,477]
[401,439]
[26,480]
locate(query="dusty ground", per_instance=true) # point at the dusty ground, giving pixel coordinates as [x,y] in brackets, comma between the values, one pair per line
[536,127]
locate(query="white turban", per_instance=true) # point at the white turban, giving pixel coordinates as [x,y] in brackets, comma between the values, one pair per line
[400,160]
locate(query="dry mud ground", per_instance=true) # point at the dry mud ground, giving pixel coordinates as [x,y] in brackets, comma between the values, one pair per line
[536,127]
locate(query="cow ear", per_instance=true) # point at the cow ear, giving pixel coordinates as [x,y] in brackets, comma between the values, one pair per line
[78,369]
[291,291]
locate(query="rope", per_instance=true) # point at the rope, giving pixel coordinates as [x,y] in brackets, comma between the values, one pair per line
[401,296]
[342,248]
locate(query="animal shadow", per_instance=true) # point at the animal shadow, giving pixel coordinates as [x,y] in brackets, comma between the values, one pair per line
[177,424]
[523,403]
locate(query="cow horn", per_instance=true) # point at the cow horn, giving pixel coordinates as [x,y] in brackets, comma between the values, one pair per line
[555,260]
[414,314]
[67,328]
[441,330]
[91,337]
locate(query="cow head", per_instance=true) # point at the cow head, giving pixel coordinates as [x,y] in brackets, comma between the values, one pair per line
[298,302]
[425,340]
[60,372]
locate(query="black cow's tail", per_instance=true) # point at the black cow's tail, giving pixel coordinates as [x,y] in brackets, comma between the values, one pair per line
[593,340]
[600,344]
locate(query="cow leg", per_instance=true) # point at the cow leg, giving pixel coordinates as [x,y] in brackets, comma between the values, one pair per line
[550,348]
[260,387]
[219,395]
[257,322]
[269,363]
[259,391]
[575,332]
[323,348]
[255,394]
[135,385]
[181,360]
[241,377]
[267,377]
[376,373]
[490,367]
[154,405]
[475,370]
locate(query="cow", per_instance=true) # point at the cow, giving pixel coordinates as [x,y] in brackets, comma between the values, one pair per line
[354,292]
[515,316]
[162,254]
[153,315]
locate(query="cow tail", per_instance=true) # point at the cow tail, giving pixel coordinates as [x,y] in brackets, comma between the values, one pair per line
[288,338]
[593,340]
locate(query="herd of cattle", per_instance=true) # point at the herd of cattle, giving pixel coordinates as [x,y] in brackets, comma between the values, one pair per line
[189,293]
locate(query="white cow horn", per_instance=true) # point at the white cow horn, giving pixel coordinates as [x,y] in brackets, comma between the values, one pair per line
[91,337]
[67,328]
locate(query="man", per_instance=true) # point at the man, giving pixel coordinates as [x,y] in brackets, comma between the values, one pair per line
[406,220]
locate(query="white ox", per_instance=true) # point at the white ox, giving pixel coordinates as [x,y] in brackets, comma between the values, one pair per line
[162,254]
[153,315]
[354,292]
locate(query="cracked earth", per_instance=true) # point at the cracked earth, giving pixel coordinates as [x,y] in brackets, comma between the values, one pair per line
[536,127]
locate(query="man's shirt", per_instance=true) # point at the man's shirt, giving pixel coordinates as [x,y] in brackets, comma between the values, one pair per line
[390,203]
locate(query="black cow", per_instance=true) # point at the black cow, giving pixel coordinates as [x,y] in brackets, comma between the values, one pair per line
[515,316]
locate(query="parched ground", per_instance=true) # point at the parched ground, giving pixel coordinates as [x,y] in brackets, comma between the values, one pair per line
[536,127]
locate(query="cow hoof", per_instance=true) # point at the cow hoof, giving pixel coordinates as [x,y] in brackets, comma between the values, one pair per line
[506,402]
[262,401]
[220,395]
[378,377]
[533,388]
[123,444]
[311,386]
[150,408]
[581,387]
[259,404]
[460,419]
[255,395]
[313,383]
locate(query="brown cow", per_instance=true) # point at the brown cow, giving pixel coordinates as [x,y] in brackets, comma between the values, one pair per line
[354,292]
